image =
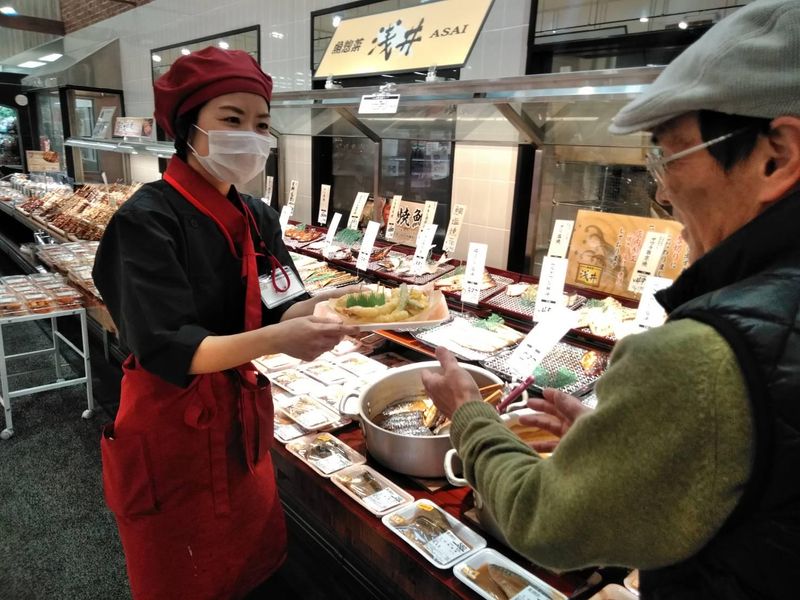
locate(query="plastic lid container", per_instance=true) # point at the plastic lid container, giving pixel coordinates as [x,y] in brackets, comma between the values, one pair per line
[325,453]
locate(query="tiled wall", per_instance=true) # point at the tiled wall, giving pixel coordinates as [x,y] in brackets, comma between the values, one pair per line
[499,52]
[483,180]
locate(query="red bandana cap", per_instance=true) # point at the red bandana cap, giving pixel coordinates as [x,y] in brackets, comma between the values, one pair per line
[201,76]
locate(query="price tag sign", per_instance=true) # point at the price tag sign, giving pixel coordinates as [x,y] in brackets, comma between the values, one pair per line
[324,198]
[445,548]
[473,273]
[293,188]
[454,228]
[379,104]
[367,244]
[428,215]
[331,232]
[649,258]
[551,287]
[286,212]
[358,208]
[384,500]
[332,463]
[390,226]
[562,234]
[268,190]
[424,245]
[650,314]
[288,431]
[535,593]
[541,340]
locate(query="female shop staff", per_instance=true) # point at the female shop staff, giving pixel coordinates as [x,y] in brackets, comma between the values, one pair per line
[186,465]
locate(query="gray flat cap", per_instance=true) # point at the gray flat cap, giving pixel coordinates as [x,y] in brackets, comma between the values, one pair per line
[747,64]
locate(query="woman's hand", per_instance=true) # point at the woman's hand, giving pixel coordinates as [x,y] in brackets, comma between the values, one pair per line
[306,337]
[452,387]
[559,410]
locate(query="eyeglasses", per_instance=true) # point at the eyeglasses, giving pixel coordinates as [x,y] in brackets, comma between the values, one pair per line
[657,164]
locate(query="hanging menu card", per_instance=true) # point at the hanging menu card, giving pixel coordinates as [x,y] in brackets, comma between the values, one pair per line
[367,243]
[392,222]
[324,198]
[358,208]
[454,228]
[551,287]
[649,258]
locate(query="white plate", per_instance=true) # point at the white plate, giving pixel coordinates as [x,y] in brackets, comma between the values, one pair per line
[538,590]
[387,500]
[446,545]
[326,467]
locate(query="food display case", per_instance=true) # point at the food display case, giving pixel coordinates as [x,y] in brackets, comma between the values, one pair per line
[10,139]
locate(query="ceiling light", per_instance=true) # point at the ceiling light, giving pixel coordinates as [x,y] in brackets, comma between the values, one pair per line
[31,64]
[683,25]
[8,10]
[277,35]
[643,19]
[156,58]
[185,51]
[336,20]
[224,45]
[51,57]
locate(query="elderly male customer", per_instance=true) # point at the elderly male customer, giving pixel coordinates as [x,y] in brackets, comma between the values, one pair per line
[689,468]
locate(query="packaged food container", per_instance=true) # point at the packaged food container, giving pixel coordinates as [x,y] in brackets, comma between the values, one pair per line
[371,490]
[38,302]
[310,413]
[489,574]
[325,453]
[297,383]
[11,306]
[441,538]
[360,365]
[325,372]
[66,298]
[276,362]
[614,592]
[287,430]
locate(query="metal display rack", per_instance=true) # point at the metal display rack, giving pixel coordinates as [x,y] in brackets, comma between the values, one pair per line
[58,338]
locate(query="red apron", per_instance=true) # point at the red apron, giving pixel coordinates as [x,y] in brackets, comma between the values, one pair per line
[187,471]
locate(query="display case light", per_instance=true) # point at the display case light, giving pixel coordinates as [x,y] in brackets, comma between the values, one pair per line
[644,19]
[277,35]
[51,57]
[8,10]
[223,44]
[156,58]
[31,64]
[185,51]
[683,24]
[336,20]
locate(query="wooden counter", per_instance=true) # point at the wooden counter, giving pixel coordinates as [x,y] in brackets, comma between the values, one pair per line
[344,547]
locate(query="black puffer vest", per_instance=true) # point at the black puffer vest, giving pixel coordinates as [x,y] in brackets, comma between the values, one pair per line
[748,289]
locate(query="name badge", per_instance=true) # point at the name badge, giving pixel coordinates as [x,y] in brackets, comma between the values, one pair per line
[284,287]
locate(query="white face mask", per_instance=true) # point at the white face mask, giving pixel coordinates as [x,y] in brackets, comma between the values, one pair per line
[235,156]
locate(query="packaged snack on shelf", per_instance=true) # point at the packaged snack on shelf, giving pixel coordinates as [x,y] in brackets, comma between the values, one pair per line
[296,382]
[11,306]
[66,297]
[287,430]
[360,365]
[441,538]
[325,453]
[371,489]
[310,413]
[491,575]
[38,302]
[276,362]
[325,372]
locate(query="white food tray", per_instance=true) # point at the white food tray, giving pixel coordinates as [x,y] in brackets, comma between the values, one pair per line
[381,503]
[461,531]
[538,589]
[318,416]
[326,467]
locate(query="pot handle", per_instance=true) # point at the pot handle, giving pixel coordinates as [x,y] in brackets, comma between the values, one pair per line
[449,472]
[343,408]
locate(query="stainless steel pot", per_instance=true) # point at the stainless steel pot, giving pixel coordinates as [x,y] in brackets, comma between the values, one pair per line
[408,454]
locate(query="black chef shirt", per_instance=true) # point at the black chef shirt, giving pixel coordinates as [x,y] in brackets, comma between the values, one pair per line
[168,278]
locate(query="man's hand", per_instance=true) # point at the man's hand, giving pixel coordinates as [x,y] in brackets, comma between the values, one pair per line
[452,387]
[560,412]
[307,337]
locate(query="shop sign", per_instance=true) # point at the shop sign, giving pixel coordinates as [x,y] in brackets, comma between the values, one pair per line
[439,34]
[605,247]
[408,223]
[141,127]
[43,162]
[102,128]
[454,228]
[379,104]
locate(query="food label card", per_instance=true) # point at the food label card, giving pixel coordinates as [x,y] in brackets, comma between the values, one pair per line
[331,232]
[392,223]
[367,243]
[358,208]
[268,190]
[428,215]
[551,287]
[562,234]
[324,199]
[473,273]
[383,500]
[649,258]
[293,187]
[531,593]
[650,314]
[423,246]
[446,547]
[454,228]
[286,212]
[541,340]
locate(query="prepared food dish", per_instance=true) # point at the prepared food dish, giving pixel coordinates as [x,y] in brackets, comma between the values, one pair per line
[325,453]
[382,305]
[455,281]
[303,234]
[38,302]
[497,581]
[310,413]
[605,318]
[425,525]
[10,305]
[369,488]
[413,415]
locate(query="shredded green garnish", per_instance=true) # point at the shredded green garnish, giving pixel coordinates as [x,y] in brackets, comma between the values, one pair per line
[492,322]
[369,299]
[554,379]
[348,236]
